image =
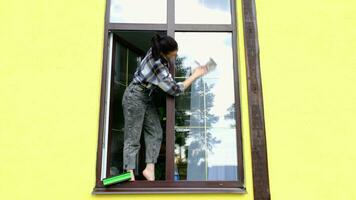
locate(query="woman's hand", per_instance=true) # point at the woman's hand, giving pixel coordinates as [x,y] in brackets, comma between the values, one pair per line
[197,72]
[200,71]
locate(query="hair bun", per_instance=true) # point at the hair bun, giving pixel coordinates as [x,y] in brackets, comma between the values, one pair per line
[162,44]
[158,36]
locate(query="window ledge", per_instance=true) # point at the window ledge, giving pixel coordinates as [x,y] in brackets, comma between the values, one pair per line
[164,187]
[98,190]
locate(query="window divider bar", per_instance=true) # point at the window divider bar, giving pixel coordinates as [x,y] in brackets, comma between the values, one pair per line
[170,103]
[171,27]
[204,27]
[137,26]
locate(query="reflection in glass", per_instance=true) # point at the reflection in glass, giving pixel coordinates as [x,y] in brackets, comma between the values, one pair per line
[203,11]
[205,128]
[138,11]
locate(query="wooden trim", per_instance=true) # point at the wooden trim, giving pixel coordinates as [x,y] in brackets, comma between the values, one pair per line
[255,103]
[240,160]
[113,60]
[98,182]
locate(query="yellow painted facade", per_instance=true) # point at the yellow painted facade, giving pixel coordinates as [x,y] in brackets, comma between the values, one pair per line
[308,69]
[50,79]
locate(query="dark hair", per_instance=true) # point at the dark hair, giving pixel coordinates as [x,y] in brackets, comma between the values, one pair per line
[162,44]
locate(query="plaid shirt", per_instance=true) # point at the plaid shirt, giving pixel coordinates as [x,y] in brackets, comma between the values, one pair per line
[153,74]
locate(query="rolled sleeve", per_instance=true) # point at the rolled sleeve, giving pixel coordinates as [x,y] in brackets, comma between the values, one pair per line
[166,82]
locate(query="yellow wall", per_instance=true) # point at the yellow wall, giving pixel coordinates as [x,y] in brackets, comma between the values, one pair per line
[308,69]
[50,73]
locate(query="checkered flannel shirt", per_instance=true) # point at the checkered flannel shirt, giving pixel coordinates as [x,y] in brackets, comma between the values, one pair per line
[153,74]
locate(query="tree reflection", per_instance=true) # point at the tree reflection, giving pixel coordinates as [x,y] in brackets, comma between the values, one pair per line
[194,121]
[231,115]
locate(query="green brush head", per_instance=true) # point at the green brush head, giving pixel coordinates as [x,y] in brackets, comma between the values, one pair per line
[117,179]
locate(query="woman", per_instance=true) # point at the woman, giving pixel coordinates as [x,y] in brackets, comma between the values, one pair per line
[140,114]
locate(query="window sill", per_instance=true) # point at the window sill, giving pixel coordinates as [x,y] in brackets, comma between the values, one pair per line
[164,187]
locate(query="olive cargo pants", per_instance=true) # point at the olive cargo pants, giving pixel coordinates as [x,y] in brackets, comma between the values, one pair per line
[140,115]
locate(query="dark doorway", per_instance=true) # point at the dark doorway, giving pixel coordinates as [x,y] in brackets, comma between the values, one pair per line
[129,48]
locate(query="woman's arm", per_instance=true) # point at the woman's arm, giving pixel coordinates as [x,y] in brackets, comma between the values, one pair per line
[198,72]
[169,85]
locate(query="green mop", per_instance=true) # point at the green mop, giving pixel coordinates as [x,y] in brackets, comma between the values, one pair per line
[117,179]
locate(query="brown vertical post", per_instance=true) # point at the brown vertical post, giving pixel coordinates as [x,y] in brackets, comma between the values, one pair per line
[255,102]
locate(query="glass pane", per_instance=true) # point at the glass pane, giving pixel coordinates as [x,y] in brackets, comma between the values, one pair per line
[205,124]
[120,68]
[138,11]
[203,11]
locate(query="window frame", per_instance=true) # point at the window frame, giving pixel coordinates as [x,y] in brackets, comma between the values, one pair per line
[169,185]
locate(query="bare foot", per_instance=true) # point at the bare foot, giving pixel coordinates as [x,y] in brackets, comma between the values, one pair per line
[132,175]
[149,175]
[149,172]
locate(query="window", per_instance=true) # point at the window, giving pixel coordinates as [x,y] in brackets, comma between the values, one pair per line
[202,146]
